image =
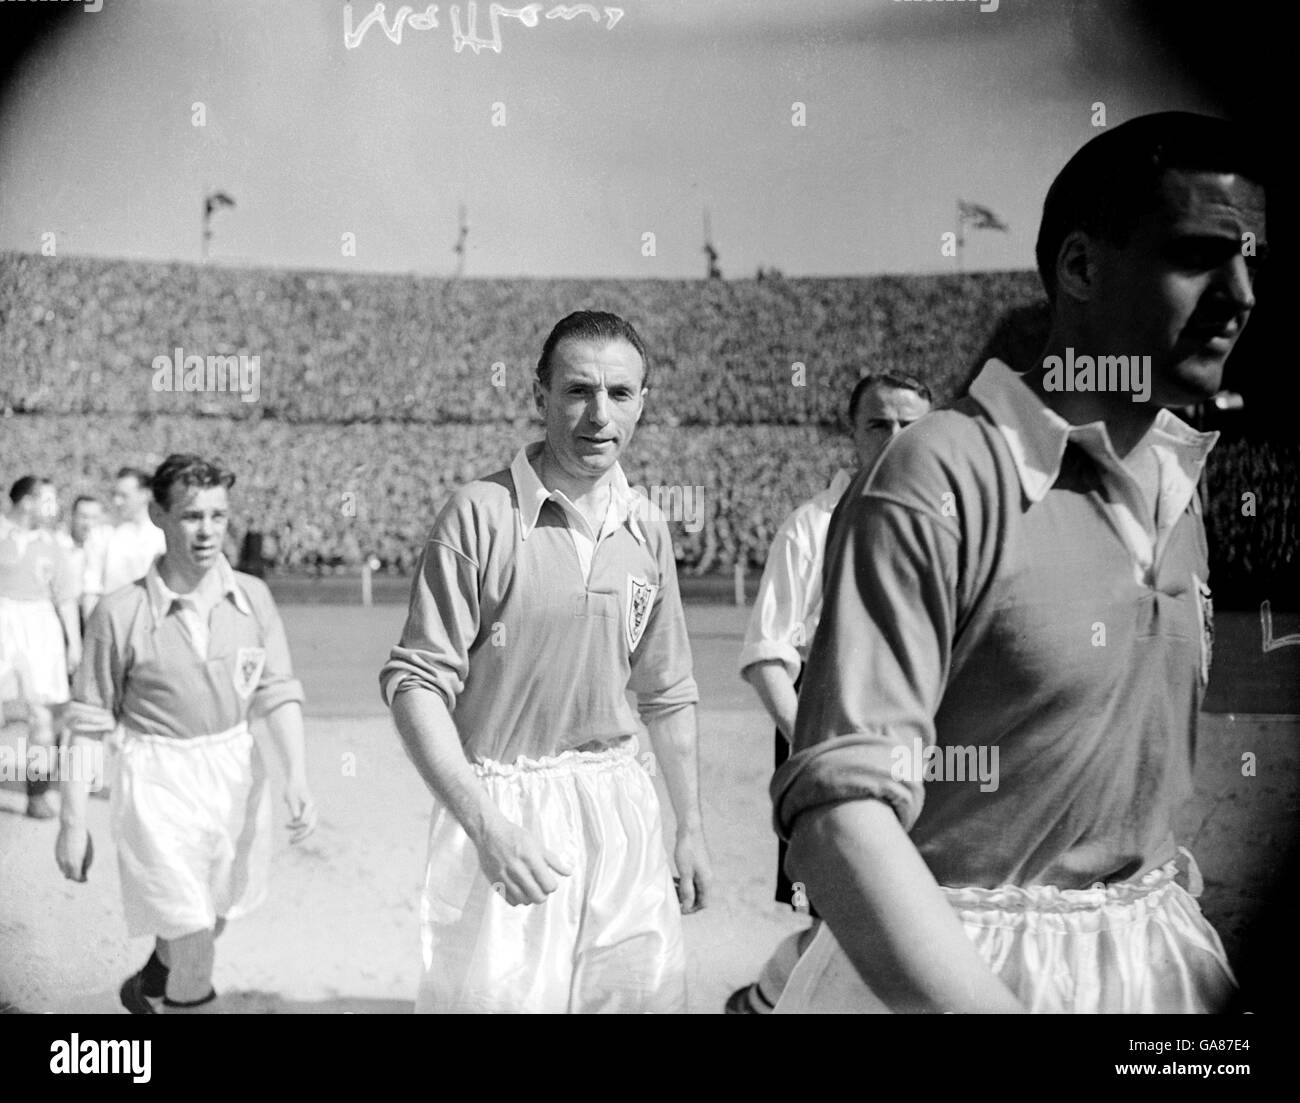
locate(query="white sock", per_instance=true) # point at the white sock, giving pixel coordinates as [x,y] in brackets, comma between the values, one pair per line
[776,972]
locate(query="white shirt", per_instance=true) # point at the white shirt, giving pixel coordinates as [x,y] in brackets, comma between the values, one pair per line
[789,601]
[79,554]
[121,556]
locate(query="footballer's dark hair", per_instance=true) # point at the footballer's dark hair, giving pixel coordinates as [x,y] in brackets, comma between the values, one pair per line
[27,486]
[187,470]
[1109,184]
[591,325]
[885,379]
[141,477]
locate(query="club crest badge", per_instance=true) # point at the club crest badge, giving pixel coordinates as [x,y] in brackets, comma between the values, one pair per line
[640,600]
[248,669]
[1205,609]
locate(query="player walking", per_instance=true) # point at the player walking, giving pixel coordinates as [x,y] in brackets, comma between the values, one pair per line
[180,658]
[545,592]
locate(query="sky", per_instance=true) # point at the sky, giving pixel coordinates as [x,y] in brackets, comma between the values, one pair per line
[573,141]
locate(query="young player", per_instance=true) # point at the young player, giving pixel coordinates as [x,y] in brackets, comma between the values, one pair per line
[179,659]
[40,634]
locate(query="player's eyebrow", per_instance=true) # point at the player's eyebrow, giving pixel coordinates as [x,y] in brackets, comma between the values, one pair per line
[1210,244]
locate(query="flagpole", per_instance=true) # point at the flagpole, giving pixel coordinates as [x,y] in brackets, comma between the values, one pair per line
[961,236]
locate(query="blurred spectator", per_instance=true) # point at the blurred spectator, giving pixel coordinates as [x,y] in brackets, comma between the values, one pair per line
[250,555]
[132,545]
[40,637]
[86,528]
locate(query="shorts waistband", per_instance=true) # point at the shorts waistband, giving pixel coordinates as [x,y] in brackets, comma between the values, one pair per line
[566,762]
[188,741]
[1049,898]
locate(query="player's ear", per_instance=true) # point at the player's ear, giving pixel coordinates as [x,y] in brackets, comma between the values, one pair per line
[156,513]
[640,409]
[539,395]
[1076,263]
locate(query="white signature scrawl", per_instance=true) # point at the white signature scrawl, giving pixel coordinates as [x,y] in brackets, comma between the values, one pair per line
[1266,626]
[466,34]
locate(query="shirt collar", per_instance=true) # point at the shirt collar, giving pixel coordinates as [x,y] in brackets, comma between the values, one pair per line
[532,495]
[162,596]
[24,538]
[829,498]
[1037,436]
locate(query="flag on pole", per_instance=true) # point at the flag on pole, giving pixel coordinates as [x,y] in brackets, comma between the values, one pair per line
[978,217]
[215,201]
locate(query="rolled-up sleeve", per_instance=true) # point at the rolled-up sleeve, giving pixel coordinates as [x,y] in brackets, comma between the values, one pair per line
[442,620]
[98,685]
[277,685]
[878,663]
[776,623]
[660,667]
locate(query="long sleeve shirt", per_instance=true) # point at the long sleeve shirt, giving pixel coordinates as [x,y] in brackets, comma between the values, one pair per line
[997,583]
[33,567]
[532,649]
[789,599]
[162,664]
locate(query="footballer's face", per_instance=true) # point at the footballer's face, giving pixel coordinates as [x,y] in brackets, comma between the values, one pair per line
[41,507]
[1181,290]
[882,413]
[130,499]
[87,516]
[195,527]
[592,405]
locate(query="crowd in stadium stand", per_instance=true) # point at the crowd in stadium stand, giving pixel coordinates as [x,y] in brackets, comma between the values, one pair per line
[81,337]
[378,395]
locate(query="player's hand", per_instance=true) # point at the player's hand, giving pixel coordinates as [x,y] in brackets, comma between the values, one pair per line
[518,866]
[70,851]
[302,809]
[694,871]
